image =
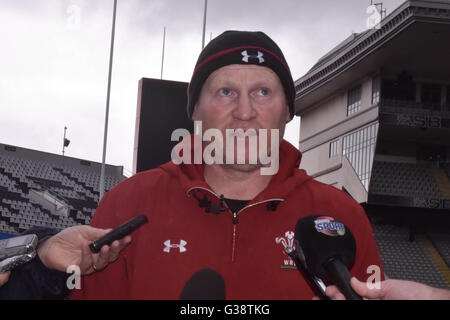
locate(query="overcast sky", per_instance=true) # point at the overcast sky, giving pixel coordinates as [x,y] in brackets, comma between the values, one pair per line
[54,57]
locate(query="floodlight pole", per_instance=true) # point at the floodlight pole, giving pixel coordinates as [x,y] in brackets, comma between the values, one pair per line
[162,59]
[204,23]
[105,135]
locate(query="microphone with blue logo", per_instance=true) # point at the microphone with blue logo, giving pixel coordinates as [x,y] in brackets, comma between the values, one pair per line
[326,249]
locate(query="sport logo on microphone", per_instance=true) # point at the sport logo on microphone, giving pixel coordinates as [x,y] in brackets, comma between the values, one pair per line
[329,226]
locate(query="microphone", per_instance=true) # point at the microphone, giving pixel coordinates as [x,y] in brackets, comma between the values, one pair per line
[205,284]
[118,233]
[328,249]
[315,283]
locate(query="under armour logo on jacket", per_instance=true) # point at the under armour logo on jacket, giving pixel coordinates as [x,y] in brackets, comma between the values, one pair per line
[245,56]
[181,246]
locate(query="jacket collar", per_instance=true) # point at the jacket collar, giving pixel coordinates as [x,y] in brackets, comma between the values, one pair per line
[288,177]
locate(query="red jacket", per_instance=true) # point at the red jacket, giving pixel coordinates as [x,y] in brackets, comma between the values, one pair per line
[182,238]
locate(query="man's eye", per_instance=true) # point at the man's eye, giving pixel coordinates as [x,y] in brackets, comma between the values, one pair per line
[225,92]
[263,92]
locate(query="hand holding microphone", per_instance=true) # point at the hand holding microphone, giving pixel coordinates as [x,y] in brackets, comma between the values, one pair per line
[392,289]
[90,248]
[71,247]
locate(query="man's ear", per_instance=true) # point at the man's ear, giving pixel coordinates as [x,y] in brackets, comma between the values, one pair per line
[195,113]
[288,115]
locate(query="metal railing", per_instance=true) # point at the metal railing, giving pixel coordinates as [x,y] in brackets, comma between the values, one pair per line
[414,108]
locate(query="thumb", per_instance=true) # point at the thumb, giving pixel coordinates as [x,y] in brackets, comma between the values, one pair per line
[4,277]
[363,290]
[92,234]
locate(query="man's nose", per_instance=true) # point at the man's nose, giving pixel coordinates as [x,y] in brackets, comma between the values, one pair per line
[244,108]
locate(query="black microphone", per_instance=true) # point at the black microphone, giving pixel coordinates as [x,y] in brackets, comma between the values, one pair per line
[328,248]
[118,233]
[205,284]
[314,282]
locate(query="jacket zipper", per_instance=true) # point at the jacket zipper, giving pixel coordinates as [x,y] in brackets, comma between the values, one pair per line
[234,215]
[235,221]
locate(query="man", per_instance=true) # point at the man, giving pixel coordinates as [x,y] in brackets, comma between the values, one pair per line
[226,216]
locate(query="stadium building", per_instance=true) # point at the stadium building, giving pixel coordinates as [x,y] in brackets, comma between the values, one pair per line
[375,122]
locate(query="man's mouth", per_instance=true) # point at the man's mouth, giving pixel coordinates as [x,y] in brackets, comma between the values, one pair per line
[242,133]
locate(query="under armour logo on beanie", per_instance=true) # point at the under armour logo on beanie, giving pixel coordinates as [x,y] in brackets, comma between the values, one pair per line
[240,47]
[259,56]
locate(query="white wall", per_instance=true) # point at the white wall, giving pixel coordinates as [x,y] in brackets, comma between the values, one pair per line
[324,116]
[317,159]
[333,110]
[330,112]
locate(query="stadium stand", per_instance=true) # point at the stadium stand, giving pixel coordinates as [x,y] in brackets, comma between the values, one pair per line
[405,259]
[447,169]
[27,174]
[403,179]
[442,243]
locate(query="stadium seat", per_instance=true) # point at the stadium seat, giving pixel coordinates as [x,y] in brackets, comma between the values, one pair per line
[402,179]
[404,259]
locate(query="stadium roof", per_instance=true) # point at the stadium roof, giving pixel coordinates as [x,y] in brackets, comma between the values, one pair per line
[336,50]
[56,159]
[365,52]
[350,40]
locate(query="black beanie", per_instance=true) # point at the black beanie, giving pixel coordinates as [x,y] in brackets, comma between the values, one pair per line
[240,47]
